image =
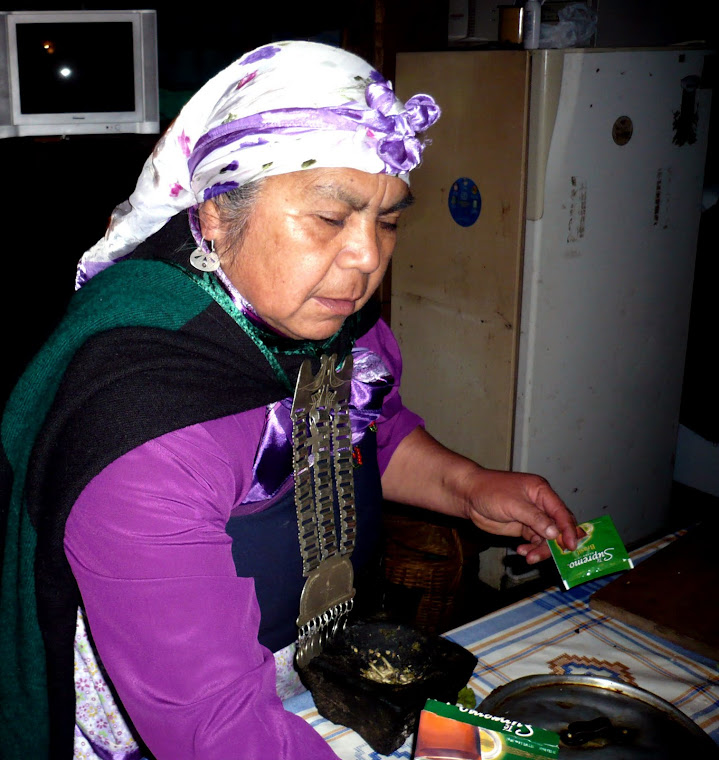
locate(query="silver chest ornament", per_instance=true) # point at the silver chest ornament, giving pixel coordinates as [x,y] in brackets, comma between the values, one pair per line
[322,467]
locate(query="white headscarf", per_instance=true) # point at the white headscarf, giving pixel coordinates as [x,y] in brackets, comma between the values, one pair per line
[283,107]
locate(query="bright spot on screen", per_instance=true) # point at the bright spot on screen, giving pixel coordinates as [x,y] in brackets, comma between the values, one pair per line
[48,46]
[65,72]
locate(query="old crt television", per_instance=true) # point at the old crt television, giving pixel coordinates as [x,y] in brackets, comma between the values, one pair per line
[78,72]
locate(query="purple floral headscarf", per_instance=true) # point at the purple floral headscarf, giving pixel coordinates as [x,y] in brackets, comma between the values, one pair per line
[283,107]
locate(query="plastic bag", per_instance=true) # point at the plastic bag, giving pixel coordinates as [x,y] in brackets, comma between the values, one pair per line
[575,28]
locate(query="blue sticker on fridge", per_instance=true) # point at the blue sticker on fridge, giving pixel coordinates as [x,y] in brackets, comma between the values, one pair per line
[465,201]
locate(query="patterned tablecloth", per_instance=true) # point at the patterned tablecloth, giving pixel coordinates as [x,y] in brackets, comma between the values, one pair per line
[555,632]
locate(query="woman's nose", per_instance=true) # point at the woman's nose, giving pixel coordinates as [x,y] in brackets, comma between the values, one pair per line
[361,249]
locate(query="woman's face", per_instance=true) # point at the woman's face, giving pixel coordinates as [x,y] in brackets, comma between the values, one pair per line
[316,247]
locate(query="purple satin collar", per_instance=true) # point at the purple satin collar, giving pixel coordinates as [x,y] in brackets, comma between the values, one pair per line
[371,382]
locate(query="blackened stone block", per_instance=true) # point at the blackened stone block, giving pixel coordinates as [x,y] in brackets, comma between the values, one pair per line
[375,678]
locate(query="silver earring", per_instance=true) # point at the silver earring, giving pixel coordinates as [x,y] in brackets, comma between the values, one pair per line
[205,261]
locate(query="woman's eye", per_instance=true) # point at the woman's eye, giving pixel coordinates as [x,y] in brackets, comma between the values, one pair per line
[388,226]
[332,221]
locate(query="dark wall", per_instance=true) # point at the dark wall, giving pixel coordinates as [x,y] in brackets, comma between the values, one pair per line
[58,197]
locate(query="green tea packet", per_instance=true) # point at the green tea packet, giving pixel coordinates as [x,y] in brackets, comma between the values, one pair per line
[600,551]
[446,730]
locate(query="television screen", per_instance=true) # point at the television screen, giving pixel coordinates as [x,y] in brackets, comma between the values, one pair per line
[78,72]
[75,67]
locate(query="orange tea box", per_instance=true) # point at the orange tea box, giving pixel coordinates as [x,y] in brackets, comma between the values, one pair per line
[451,732]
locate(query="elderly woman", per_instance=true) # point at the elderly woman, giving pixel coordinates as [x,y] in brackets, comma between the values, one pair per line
[198,456]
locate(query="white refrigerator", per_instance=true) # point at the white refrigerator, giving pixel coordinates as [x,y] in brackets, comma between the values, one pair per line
[547,332]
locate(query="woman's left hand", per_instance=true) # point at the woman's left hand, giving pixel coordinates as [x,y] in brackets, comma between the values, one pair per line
[523,505]
[426,474]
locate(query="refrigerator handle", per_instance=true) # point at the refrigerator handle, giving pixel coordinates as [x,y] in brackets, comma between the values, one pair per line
[545,86]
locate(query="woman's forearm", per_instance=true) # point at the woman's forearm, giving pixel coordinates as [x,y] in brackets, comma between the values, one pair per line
[424,473]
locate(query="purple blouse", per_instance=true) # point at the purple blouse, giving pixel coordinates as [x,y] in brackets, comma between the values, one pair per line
[175,627]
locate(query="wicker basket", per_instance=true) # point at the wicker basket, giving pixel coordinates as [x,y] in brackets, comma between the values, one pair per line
[428,559]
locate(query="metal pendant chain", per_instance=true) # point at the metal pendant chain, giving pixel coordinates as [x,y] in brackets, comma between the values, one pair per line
[322,466]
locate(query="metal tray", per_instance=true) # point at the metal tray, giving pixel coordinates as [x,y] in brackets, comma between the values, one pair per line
[602,718]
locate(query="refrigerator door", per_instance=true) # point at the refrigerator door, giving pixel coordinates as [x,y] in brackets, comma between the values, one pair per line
[456,274]
[618,144]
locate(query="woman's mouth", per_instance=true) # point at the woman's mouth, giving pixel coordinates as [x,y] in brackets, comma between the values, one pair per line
[340,306]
